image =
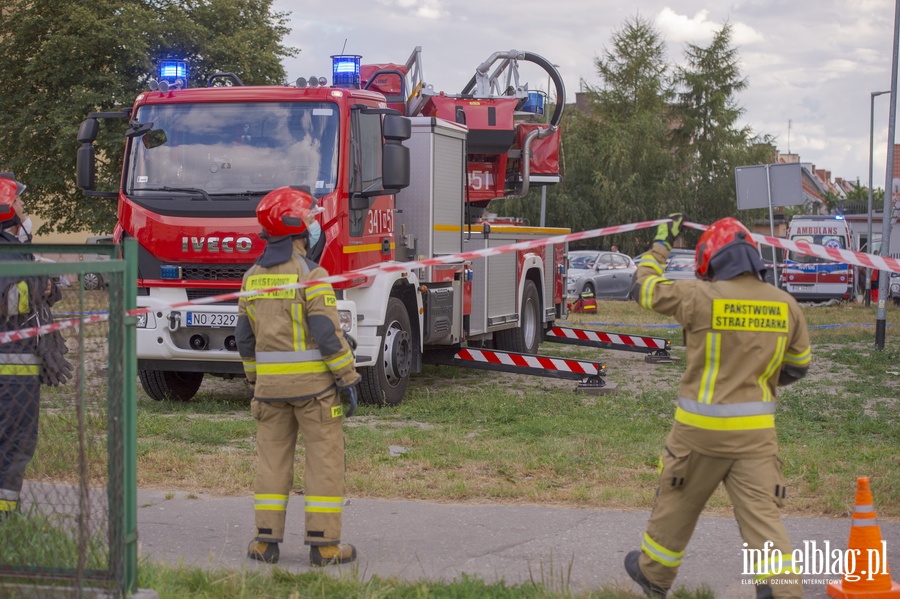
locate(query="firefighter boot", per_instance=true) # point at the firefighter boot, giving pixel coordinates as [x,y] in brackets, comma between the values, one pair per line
[8,507]
[325,555]
[764,591]
[262,551]
[634,570]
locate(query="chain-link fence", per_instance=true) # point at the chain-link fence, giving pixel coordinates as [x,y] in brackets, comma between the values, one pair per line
[67,438]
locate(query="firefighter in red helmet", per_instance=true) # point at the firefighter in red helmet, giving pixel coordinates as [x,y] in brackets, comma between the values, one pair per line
[24,303]
[744,338]
[299,363]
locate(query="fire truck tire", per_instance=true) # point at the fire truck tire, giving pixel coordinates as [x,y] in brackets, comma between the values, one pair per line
[386,382]
[525,338]
[163,385]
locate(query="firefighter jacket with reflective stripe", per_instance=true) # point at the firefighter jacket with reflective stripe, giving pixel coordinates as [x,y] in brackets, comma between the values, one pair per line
[19,300]
[293,347]
[743,335]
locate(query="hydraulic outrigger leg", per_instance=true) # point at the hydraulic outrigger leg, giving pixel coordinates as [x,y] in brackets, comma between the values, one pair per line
[588,374]
[656,348]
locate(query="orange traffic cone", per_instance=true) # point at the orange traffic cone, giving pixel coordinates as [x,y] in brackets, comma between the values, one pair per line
[868,576]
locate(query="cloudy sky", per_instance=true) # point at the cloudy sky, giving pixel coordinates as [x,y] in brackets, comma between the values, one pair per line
[810,64]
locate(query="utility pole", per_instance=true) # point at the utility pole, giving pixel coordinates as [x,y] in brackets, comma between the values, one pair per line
[870,245]
[887,216]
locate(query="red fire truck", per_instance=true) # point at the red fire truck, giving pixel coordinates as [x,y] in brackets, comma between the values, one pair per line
[402,172]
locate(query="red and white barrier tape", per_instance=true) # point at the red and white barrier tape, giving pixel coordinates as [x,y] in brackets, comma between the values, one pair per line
[858,258]
[837,255]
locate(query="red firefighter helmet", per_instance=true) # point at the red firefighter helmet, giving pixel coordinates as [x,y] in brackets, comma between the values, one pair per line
[282,212]
[719,234]
[9,191]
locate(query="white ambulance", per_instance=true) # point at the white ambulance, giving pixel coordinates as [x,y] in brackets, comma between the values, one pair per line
[810,278]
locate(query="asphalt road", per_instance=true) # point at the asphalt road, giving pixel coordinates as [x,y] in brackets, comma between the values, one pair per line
[565,549]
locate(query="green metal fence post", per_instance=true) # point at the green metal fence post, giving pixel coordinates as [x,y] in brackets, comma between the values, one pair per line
[130,417]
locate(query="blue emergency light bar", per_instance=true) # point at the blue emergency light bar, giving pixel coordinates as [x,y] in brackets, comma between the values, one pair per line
[172,71]
[534,103]
[345,69]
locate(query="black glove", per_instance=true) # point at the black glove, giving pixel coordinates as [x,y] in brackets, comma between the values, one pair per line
[349,393]
[51,347]
[55,369]
[350,341]
[667,233]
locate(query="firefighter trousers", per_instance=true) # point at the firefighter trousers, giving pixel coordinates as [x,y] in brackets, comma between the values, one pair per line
[319,422]
[756,489]
[19,409]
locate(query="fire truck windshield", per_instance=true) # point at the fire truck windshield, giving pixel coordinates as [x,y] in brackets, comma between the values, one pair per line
[234,149]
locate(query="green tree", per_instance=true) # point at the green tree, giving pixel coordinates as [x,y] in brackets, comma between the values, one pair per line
[623,165]
[710,141]
[63,60]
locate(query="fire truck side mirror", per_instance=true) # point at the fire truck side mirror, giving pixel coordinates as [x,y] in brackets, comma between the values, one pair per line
[88,131]
[397,128]
[395,166]
[85,163]
[85,160]
[85,167]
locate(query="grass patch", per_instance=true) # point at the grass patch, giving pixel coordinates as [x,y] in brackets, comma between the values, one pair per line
[195,583]
[31,540]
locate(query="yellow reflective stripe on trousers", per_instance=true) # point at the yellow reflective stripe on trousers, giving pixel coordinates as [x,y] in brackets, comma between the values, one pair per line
[8,505]
[726,417]
[711,362]
[324,505]
[19,370]
[647,290]
[771,367]
[659,554]
[249,365]
[801,359]
[341,361]
[270,502]
[773,567]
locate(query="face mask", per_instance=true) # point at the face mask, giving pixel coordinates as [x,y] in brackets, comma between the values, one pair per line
[315,231]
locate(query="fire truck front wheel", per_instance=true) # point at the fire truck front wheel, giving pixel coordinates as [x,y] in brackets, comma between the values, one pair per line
[386,382]
[163,385]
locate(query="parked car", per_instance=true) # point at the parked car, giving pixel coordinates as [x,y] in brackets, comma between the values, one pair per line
[60,280]
[681,266]
[96,280]
[679,252]
[608,275]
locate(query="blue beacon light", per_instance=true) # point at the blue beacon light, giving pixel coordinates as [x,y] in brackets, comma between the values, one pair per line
[345,70]
[171,71]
